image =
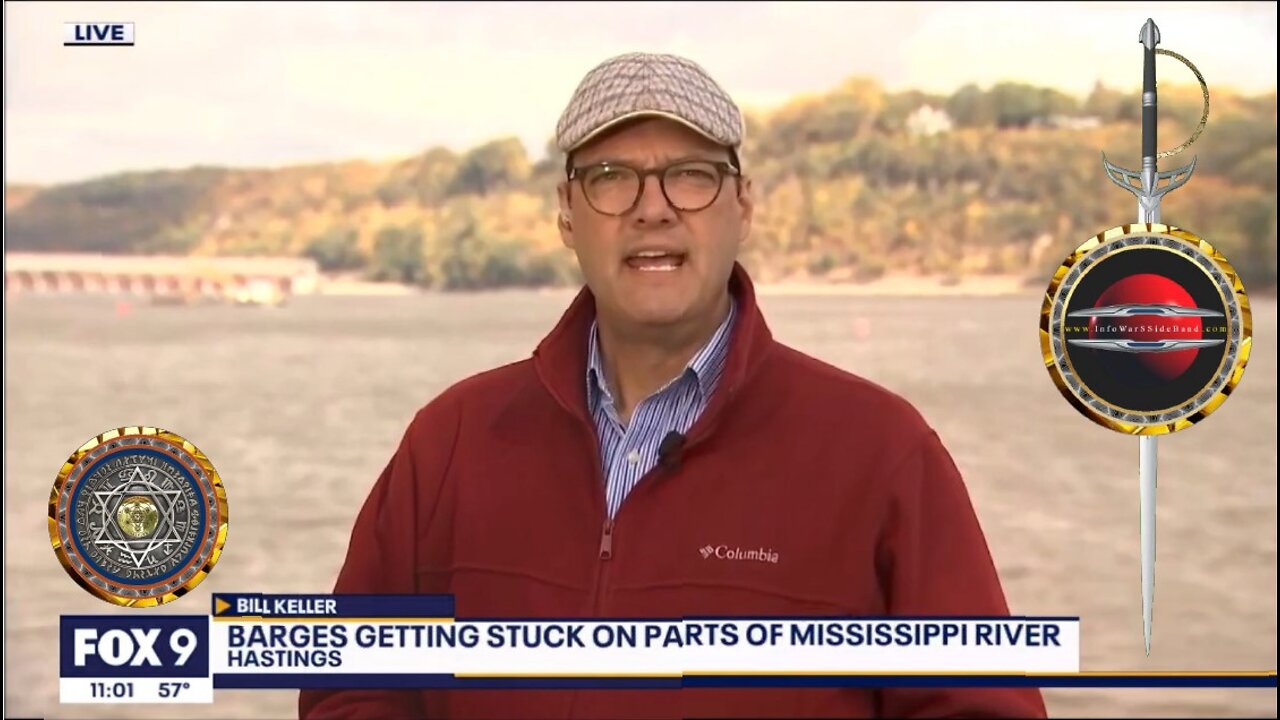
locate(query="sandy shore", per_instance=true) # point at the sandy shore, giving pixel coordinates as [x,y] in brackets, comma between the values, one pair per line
[907,286]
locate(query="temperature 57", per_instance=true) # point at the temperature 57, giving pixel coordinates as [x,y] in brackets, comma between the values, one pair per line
[172,689]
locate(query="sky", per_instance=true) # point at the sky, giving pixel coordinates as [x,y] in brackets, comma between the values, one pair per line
[261,84]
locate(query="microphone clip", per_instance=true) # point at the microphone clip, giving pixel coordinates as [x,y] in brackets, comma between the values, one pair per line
[670,451]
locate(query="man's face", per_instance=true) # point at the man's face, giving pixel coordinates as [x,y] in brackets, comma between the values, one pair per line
[655,265]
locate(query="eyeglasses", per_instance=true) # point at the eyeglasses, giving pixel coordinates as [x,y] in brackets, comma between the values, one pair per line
[615,189]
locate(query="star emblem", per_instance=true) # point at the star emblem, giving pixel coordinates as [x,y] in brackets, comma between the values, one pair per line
[111,537]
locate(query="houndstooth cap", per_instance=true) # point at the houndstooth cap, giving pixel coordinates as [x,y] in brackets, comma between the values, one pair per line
[647,84]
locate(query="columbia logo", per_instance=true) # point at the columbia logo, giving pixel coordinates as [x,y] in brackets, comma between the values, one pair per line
[724,552]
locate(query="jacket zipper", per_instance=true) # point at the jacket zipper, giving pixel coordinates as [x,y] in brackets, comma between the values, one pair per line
[606,533]
[602,570]
[602,573]
[606,541]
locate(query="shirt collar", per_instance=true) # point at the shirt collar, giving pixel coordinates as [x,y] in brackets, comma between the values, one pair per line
[707,365]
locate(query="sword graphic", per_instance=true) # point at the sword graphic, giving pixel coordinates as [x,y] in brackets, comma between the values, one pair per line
[1149,191]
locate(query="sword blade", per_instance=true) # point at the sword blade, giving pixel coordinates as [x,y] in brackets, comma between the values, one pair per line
[1147,530]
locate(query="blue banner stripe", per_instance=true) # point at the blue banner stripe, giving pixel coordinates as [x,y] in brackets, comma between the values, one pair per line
[334,607]
[424,682]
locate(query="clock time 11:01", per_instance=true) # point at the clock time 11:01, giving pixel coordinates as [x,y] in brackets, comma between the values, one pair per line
[111,690]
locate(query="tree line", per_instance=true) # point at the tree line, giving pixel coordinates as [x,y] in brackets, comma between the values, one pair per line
[849,185]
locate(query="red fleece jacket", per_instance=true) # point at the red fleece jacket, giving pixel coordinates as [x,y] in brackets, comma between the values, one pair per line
[496,495]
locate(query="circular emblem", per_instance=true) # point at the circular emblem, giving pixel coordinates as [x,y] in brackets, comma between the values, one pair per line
[138,516]
[1145,329]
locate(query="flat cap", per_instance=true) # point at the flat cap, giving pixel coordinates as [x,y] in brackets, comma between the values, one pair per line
[645,85]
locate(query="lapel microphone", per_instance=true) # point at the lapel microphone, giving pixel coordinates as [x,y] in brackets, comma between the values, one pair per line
[669,451]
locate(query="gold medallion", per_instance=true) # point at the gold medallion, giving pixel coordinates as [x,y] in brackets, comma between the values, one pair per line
[1146,329]
[138,516]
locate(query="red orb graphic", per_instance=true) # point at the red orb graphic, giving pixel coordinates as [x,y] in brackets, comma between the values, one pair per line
[1151,289]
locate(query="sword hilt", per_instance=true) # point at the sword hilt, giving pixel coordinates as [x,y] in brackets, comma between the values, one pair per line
[1149,37]
[1145,184]
[1148,189]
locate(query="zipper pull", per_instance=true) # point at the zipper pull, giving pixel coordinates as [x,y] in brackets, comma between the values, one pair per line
[606,541]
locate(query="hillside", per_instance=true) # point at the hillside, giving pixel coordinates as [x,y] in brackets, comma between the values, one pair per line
[850,184]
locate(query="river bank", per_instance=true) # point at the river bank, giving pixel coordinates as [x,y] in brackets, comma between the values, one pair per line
[887,286]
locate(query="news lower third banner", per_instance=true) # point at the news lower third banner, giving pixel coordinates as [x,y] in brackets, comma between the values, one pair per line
[366,641]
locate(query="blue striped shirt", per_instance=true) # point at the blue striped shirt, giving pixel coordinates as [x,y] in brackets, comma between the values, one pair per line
[628,452]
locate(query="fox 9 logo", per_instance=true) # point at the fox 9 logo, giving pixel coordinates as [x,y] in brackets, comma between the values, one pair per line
[128,647]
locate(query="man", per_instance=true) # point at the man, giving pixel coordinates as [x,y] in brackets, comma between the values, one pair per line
[661,455]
